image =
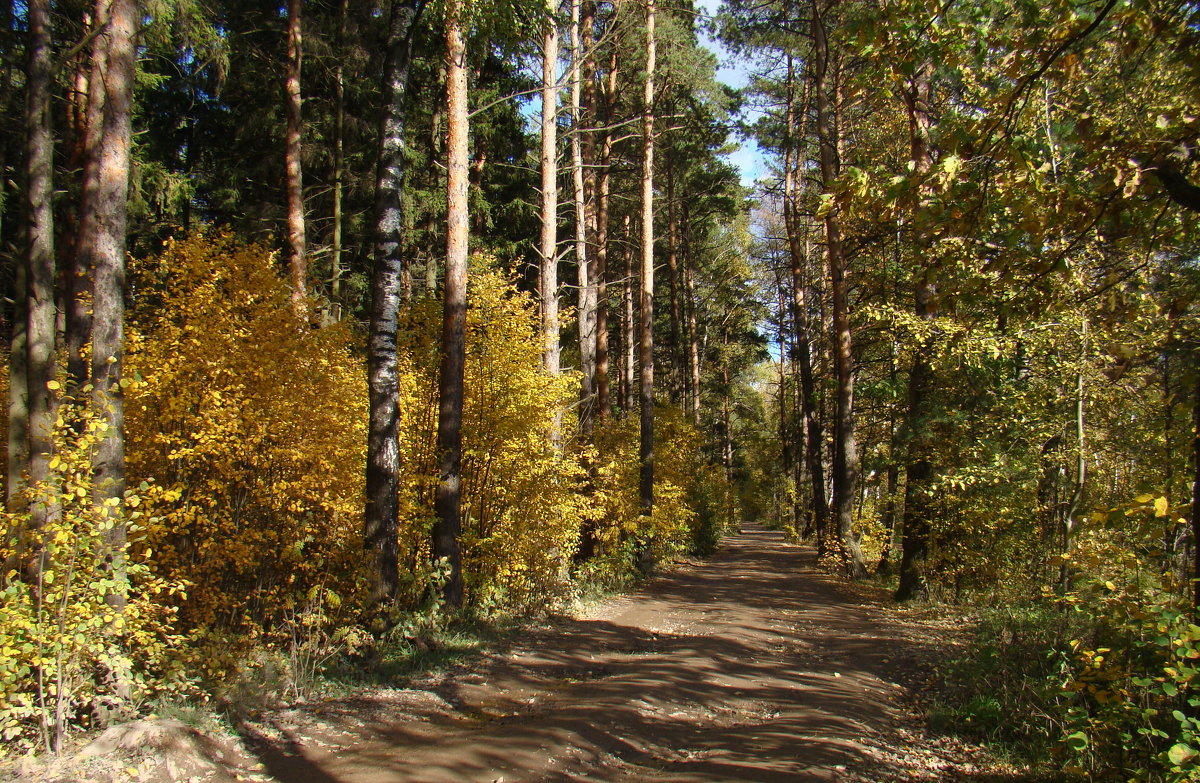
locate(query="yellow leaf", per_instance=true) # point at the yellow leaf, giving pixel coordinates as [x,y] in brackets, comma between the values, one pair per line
[1161,507]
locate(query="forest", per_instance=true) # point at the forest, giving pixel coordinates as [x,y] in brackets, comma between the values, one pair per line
[335,326]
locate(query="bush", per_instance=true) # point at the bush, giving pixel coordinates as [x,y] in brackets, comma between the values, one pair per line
[69,656]
[257,424]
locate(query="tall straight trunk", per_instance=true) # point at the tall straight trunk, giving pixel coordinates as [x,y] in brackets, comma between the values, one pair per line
[448,504]
[888,515]
[1080,483]
[797,233]
[381,512]
[646,298]
[339,165]
[845,458]
[18,391]
[548,268]
[39,259]
[604,179]
[110,190]
[919,472]
[726,419]
[627,343]
[673,278]
[80,275]
[583,258]
[297,250]
[693,330]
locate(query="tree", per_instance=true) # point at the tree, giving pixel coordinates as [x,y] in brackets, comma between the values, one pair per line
[448,526]
[297,246]
[40,260]
[845,457]
[548,250]
[646,276]
[104,214]
[380,517]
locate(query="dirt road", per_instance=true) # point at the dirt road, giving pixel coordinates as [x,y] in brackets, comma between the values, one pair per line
[753,666]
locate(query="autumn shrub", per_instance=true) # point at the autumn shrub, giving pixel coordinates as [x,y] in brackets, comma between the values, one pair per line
[70,657]
[257,423]
[1133,695]
[694,504]
[524,500]
[1101,675]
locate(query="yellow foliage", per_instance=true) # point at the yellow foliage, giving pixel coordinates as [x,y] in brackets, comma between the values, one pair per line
[523,496]
[69,656]
[258,427]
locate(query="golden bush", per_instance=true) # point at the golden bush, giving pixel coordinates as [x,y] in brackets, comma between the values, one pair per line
[257,423]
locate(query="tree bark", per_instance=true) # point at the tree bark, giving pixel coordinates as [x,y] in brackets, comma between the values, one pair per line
[675,382]
[548,267]
[693,331]
[110,190]
[381,512]
[583,258]
[18,391]
[80,277]
[339,165]
[646,300]
[297,250]
[40,260]
[845,459]
[802,345]
[448,504]
[627,346]
[918,500]
[603,383]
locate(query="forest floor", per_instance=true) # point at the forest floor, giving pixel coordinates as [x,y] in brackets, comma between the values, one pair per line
[751,666]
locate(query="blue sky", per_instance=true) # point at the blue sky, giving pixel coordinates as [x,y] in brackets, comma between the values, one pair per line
[731,71]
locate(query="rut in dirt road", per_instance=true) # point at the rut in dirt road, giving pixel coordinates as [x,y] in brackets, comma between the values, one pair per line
[750,667]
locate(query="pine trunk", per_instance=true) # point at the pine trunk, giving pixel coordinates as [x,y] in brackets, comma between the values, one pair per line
[297,250]
[845,457]
[548,266]
[40,261]
[646,298]
[604,179]
[110,189]
[448,505]
[918,501]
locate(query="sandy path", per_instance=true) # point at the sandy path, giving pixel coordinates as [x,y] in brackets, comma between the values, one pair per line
[750,667]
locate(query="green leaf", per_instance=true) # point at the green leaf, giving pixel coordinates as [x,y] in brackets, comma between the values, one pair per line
[1077,742]
[1180,754]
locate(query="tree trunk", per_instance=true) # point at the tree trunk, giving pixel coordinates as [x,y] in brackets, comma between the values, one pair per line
[297,251]
[845,459]
[448,505]
[627,347]
[110,189]
[381,513]
[339,166]
[583,258]
[646,300]
[798,254]
[548,267]
[40,261]
[918,500]
[80,282]
[18,391]
[673,278]
[603,385]
[693,331]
